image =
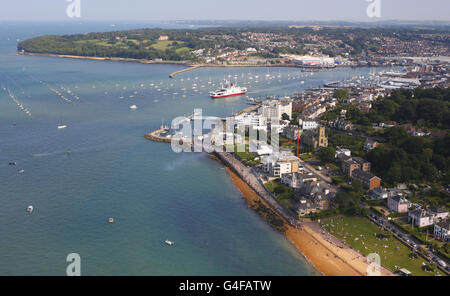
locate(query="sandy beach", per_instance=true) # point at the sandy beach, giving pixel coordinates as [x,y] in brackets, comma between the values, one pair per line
[326,257]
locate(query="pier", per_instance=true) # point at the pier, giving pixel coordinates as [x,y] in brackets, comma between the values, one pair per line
[172,75]
[248,110]
[156,135]
[249,177]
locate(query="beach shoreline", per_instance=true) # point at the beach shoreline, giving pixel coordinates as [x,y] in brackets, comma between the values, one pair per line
[325,257]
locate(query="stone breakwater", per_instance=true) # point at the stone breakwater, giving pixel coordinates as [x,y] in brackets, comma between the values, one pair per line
[249,177]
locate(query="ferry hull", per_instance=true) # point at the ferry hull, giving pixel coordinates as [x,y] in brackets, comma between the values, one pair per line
[230,95]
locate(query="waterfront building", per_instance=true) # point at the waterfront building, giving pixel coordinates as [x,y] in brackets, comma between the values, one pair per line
[281,163]
[315,62]
[442,230]
[398,204]
[437,213]
[298,179]
[276,108]
[420,218]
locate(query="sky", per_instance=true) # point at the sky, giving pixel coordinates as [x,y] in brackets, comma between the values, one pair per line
[290,10]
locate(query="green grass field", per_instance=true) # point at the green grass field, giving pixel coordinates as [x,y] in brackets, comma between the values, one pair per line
[360,234]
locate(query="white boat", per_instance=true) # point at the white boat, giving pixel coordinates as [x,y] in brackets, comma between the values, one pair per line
[21,171]
[133,107]
[230,90]
[30,209]
[62,126]
[168,242]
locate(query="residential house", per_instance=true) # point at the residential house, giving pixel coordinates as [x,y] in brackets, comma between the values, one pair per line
[442,230]
[398,204]
[298,179]
[420,218]
[345,152]
[369,145]
[368,180]
[437,213]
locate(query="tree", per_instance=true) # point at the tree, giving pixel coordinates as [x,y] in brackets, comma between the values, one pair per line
[326,155]
[340,94]
[284,116]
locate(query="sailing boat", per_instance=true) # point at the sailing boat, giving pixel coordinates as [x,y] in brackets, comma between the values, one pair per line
[61,126]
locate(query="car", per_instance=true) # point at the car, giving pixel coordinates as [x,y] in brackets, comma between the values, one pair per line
[441,263]
[414,245]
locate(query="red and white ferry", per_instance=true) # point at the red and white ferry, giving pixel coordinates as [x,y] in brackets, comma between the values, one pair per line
[228,91]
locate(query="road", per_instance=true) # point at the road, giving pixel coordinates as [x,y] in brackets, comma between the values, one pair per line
[316,172]
[407,239]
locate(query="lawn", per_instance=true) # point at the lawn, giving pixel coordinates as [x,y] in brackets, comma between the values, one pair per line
[165,44]
[360,234]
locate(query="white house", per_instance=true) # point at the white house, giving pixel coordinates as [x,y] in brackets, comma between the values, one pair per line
[298,179]
[442,230]
[345,152]
[420,218]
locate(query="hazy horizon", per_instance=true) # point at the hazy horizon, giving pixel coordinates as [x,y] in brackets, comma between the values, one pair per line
[232,10]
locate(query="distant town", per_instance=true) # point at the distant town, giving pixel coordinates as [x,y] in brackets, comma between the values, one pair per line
[307,46]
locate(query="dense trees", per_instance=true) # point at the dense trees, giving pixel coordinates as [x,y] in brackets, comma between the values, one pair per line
[423,108]
[411,159]
[326,154]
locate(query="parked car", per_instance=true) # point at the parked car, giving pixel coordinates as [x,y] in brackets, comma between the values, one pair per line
[441,263]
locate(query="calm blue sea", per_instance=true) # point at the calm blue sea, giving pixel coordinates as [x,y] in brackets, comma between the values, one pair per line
[113,171]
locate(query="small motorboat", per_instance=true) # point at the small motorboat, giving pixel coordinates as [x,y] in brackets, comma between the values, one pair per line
[169,243]
[12,163]
[111,220]
[21,171]
[133,107]
[30,209]
[62,126]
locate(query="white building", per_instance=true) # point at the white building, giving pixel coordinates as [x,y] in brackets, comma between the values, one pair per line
[297,180]
[276,109]
[420,218]
[308,125]
[315,62]
[345,152]
[250,119]
[442,230]
[280,163]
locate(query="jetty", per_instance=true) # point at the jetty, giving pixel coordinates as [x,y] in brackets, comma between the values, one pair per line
[172,75]
[248,109]
[156,135]
[248,176]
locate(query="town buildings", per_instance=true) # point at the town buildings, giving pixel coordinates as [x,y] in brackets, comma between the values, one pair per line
[398,204]
[315,138]
[442,231]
